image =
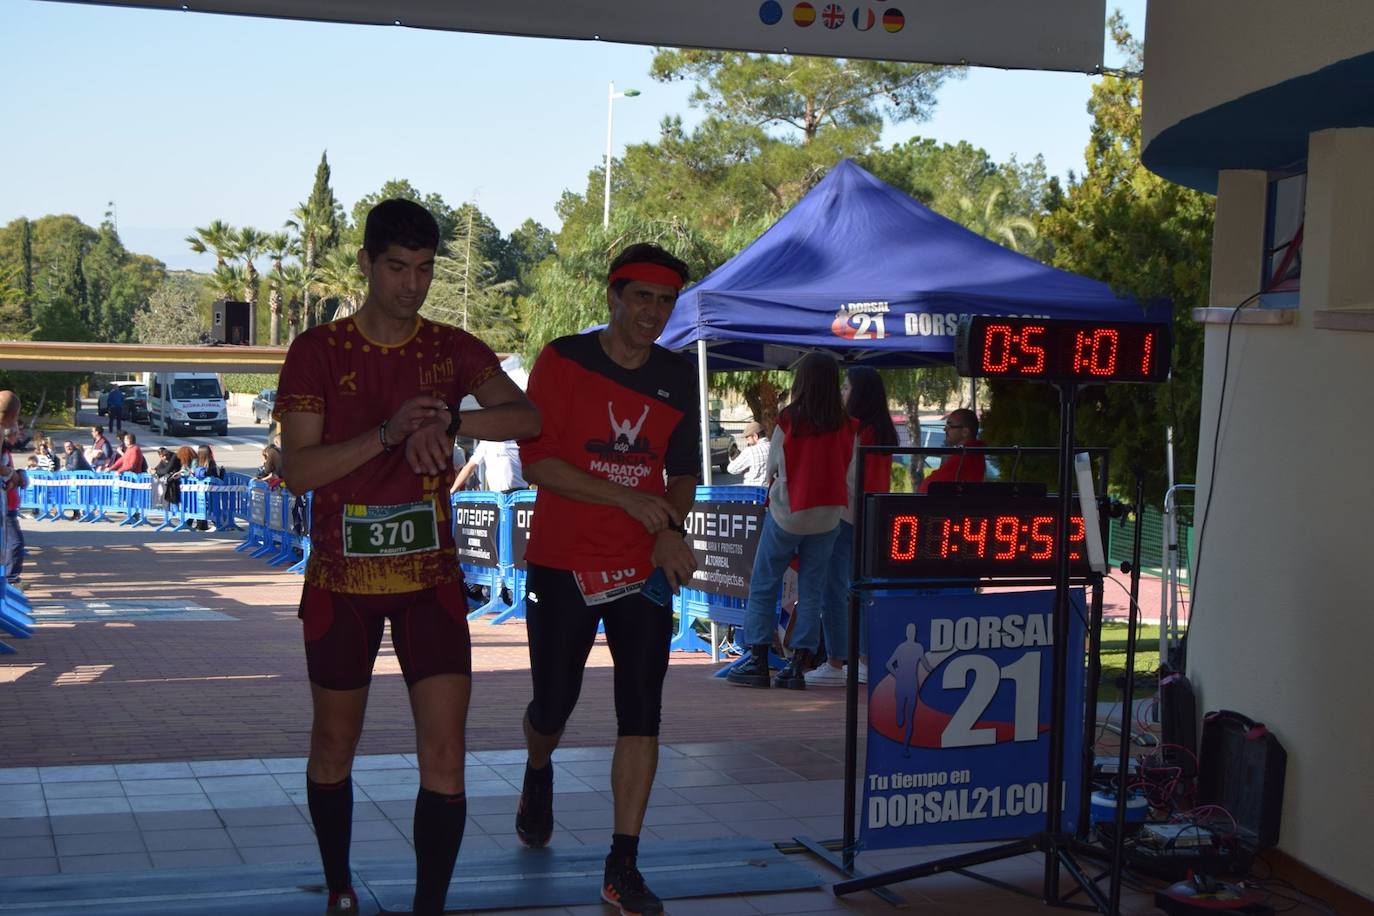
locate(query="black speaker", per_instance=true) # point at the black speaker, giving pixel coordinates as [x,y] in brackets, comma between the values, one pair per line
[231,322]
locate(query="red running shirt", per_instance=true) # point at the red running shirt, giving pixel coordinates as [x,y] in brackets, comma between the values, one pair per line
[356,383]
[628,426]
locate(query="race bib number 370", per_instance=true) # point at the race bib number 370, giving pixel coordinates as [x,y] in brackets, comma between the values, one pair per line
[388,531]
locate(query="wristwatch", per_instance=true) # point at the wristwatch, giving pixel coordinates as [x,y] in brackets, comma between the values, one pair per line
[456,423]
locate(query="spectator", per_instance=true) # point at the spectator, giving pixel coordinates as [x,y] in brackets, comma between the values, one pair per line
[811,454]
[130,457]
[42,452]
[114,406]
[270,469]
[165,477]
[72,458]
[499,463]
[961,431]
[865,399]
[752,462]
[32,464]
[13,479]
[101,452]
[206,469]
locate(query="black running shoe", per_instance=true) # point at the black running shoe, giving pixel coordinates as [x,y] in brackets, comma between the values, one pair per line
[624,887]
[342,903]
[534,815]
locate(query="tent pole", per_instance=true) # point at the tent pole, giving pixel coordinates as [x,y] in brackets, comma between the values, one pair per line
[705,414]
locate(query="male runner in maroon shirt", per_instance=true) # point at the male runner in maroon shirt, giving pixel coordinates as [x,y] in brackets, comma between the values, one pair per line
[369,407]
[620,414]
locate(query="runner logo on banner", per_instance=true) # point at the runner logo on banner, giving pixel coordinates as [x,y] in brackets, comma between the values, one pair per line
[476,529]
[959,716]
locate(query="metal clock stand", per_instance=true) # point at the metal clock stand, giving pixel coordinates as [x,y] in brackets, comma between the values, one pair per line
[1061,849]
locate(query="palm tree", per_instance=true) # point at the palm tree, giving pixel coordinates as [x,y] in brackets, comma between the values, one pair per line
[292,281]
[339,277]
[248,245]
[278,245]
[218,237]
[315,229]
[227,281]
[989,220]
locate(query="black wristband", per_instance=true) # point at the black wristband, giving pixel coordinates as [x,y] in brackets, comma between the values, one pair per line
[674,526]
[381,436]
[456,423]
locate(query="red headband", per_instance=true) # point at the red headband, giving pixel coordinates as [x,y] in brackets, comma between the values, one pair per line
[646,272]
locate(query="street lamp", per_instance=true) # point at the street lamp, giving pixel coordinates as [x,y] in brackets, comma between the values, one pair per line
[611,96]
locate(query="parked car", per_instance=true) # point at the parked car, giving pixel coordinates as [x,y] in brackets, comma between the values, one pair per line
[102,403]
[933,436]
[263,404]
[723,447]
[136,404]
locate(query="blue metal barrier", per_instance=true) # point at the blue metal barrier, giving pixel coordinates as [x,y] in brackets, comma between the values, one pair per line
[519,507]
[696,604]
[489,577]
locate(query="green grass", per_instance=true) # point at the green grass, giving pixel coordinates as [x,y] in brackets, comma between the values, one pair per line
[1114,659]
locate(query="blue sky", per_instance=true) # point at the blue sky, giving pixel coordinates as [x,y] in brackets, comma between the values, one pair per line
[181,118]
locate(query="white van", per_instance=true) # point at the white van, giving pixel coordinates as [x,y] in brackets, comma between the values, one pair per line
[186,402]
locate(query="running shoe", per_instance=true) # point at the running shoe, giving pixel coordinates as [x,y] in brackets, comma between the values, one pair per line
[342,903]
[624,887]
[825,675]
[534,815]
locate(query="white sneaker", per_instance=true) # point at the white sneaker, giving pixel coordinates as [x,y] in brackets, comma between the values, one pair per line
[863,672]
[825,676]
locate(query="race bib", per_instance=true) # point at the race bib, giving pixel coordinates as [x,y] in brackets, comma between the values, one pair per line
[388,531]
[601,586]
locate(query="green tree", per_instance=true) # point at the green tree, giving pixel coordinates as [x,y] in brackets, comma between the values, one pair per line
[319,222]
[249,245]
[278,246]
[524,250]
[1149,239]
[173,313]
[339,277]
[444,215]
[218,238]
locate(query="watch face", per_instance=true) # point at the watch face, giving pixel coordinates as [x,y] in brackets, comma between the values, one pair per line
[915,536]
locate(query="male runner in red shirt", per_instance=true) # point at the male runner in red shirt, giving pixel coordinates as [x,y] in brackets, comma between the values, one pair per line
[619,413]
[368,407]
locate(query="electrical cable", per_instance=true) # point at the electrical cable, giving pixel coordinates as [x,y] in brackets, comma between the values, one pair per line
[1211,479]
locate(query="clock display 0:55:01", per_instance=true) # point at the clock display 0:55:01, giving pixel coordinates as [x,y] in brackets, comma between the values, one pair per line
[925,536]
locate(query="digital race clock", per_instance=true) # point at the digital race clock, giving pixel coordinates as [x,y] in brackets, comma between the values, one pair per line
[1053,350]
[928,536]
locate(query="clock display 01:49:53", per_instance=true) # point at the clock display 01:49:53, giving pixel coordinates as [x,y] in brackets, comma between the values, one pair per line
[923,536]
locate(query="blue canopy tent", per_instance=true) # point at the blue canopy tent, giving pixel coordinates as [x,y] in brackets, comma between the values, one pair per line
[864,271]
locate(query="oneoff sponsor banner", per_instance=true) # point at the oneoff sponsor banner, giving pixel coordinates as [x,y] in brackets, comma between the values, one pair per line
[724,537]
[1043,35]
[959,716]
[476,532]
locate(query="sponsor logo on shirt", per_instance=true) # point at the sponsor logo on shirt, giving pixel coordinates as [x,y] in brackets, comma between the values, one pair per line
[348,383]
[439,374]
[625,456]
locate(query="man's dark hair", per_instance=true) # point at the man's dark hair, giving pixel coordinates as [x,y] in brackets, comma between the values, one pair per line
[132,438]
[399,222]
[965,417]
[646,253]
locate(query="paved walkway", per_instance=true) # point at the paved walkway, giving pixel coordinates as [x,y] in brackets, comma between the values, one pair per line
[156,720]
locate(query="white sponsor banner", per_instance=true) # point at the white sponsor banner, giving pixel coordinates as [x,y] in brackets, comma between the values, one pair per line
[1020,34]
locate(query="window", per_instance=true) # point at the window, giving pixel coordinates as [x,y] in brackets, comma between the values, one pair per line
[1286,212]
[187,388]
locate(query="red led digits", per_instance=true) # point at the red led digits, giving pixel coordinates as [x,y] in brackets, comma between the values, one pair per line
[945,528]
[976,532]
[1038,366]
[1078,534]
[1148,347]
[997,335]
[1004,532]
[903,538]
[1042,538]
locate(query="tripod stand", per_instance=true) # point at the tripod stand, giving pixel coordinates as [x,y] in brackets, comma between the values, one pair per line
[1060,848]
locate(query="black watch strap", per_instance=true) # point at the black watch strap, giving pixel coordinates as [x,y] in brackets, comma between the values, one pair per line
[456,423]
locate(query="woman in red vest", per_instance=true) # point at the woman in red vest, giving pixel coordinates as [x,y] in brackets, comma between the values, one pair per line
[865,399]
[810,463]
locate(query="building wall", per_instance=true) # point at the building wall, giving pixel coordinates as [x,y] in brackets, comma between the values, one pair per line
[1201,54]
[1283,619]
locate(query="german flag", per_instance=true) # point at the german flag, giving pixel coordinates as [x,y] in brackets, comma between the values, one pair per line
[893,20]
[803,14]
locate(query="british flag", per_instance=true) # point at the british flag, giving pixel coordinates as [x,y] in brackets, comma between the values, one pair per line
[832,16]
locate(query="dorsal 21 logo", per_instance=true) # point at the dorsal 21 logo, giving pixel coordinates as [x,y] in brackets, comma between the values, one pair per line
[861,321]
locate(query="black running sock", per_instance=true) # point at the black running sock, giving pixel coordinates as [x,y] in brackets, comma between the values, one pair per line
[540,777]
[439,823]
[624,848]
[331,813]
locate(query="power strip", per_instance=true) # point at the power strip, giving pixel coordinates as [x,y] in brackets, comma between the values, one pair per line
[1177,836]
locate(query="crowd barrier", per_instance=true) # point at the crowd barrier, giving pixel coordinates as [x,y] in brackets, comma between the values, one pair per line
[15,620]
[94,496]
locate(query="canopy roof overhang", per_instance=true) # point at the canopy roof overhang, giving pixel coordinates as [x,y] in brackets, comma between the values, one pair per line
[49,356]
[1045,35]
